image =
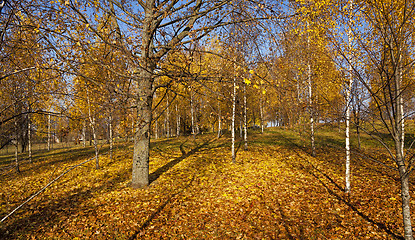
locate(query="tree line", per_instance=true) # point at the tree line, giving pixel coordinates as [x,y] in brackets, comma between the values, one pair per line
[150,69]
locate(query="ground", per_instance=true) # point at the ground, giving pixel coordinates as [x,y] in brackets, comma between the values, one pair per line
[276,190]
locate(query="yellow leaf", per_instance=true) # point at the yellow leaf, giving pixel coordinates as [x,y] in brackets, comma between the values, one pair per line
[247,81]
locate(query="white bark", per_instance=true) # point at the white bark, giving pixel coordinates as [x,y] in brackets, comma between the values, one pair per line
[399,148]
[400,158]
[29,137]
[84,134]
[348,102]
[310,99]
[192,111]
[233,120]
[156,130]
[299,103]
[132,128]
[261,112]
[110,135]
[245,121]
[92,124]
[49,132]
[219,120]
[16,147]
[177,122]
[168,118]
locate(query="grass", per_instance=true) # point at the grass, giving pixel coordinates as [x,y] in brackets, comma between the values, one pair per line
[276,190]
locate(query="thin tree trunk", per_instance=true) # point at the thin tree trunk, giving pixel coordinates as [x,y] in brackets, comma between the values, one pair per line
[168,118]
[298,104]
[84,134]
[110,136]
[16,156]
[400,98]
[192,113]
[347,133]
[16,148]
[233,119]
[164,128]
[245,121]
[92,125]
[219,120]
[310,100]
[357,122]
[399,148]
[29,136]
[95,142]
[261,112]
[132,128]
[404,175]
[49,132]
[156,130]
[177,122]
[348,103]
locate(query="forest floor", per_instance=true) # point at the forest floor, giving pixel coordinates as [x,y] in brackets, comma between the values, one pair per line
[276,190]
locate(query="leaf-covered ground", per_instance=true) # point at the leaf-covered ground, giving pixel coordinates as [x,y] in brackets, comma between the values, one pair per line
[276,190]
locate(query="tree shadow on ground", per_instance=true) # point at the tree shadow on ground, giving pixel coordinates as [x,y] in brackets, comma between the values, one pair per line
[154,214]
[306,166]
[66,205]
[40,159]
[156,174]
[160,171]
[69,204]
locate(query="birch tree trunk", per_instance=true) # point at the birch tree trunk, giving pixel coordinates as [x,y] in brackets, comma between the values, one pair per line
[156,130]
[192,112]
[310,99]
[110,135]
[16,146]
[92,125]
[233,120]
[348,103]
[400,159]
[84,134]
[132,127]
[261,113]
[298,103]
[95,142]
[357,122]
[168,118]
[399,148]
[177,122]
[29,136]
[219,120]
[49,132]
[245,121]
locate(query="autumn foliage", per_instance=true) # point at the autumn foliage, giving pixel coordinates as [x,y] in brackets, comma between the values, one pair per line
[276,190]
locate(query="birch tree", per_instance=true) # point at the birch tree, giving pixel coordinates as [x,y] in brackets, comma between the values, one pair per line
[387,77]
[348,90]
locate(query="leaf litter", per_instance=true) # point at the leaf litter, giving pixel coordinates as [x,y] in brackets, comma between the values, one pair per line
[274,191]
